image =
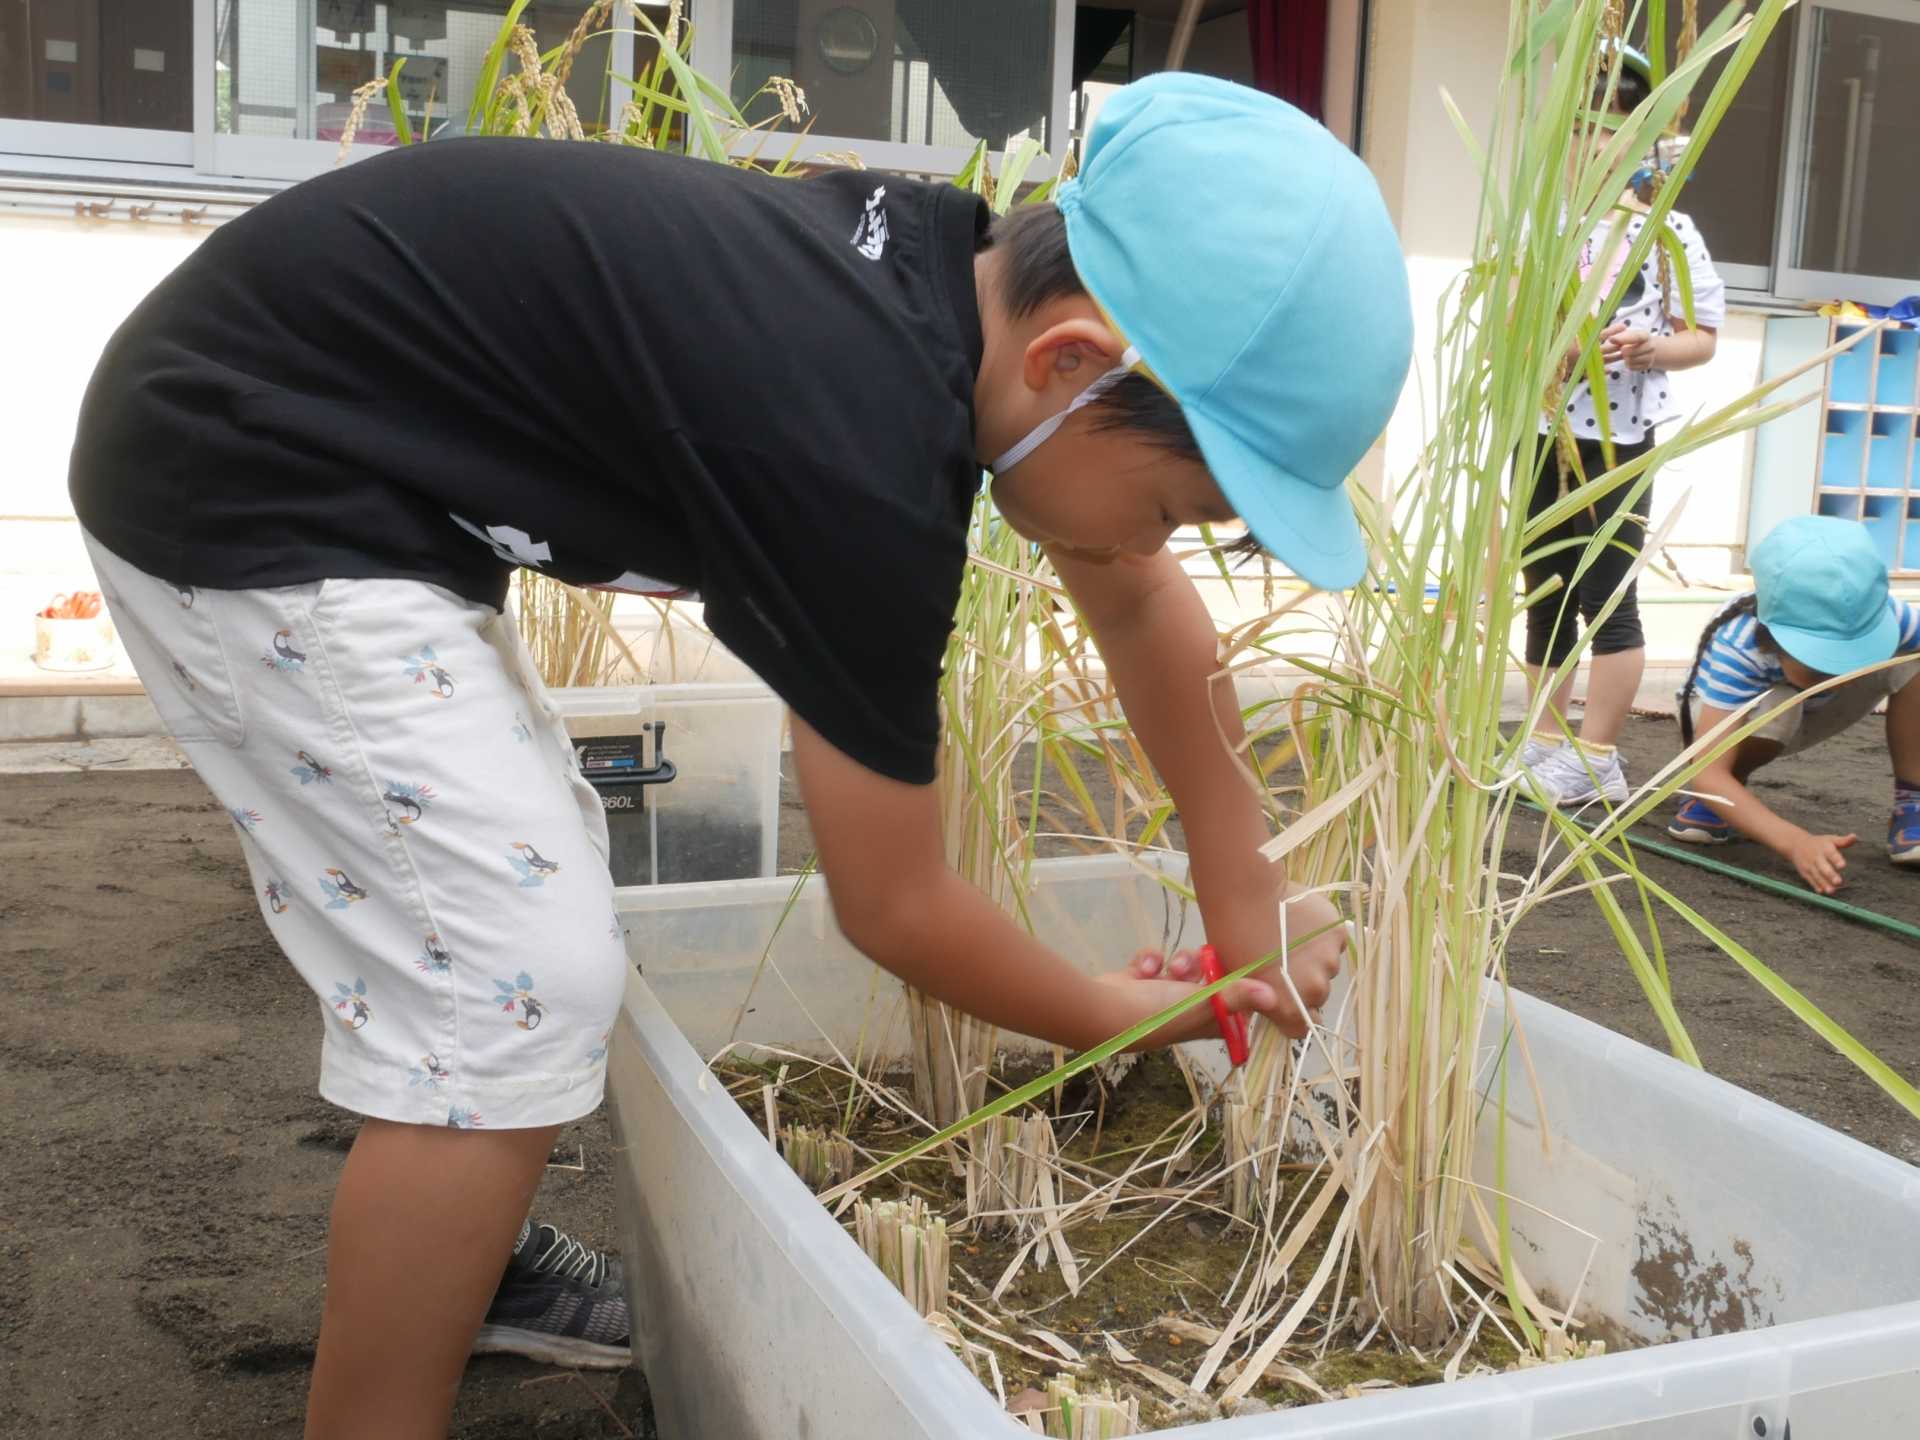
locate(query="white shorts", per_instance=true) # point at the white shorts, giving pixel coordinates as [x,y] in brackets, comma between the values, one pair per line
[420,839]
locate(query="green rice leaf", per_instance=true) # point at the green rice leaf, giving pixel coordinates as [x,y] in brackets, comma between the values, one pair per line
[396,105]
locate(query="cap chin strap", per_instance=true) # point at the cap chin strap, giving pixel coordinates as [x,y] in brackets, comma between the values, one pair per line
[1043,432]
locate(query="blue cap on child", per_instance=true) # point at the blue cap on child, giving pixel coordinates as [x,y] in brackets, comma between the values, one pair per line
[1822,590]
[1245,253]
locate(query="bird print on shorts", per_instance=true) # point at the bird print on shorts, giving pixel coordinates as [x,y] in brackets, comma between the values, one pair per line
[407,803]
[340,890]
[281,655]
[533,867]
[434,958]
[425,669]
[429,1072]
[309,770]
[247,820]
[276,896]
[351,1003]
[517,995]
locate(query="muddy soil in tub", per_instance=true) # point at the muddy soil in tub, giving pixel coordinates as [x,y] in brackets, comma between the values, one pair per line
[167,1166]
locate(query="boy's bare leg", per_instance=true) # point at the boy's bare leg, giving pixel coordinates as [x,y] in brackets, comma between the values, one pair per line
[423,1222]
[1612,682]
[1903,732]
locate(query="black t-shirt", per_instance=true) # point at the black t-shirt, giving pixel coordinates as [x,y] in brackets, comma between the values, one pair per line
[615,366]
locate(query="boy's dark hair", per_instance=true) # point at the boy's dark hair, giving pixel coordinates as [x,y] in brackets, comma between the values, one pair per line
[1036,267]
[1630,90]
[1762,639]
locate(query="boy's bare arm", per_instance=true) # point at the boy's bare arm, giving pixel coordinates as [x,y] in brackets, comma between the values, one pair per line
[1816,857]
[1162,651]
[897,900]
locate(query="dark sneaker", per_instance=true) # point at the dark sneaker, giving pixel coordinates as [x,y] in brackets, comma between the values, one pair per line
[559,1303]
[1903,832]
[1698,823]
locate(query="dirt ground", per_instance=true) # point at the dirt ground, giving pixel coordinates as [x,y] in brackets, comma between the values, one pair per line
[168,1166]
[1864,978]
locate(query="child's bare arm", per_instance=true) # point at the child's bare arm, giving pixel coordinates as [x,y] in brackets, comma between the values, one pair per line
[1162,652]
[1816,857]
[897,900]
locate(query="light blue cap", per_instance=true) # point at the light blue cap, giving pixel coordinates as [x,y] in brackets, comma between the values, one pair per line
[1246,253]
[1822,590]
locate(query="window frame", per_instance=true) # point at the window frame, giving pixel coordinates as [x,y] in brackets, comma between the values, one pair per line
[713,55]
[1807,283]
[205,154]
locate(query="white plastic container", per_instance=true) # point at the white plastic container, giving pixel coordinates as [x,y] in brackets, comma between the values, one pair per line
[74,645]
[1779,1254]
[719,818]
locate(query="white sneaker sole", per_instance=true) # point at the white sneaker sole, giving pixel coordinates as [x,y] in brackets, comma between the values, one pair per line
[1696,836]
[546,1349]
[1905,857]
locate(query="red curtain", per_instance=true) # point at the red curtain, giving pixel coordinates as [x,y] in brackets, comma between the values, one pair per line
[1289,40]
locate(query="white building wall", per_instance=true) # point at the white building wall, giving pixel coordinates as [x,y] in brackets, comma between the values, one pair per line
[70,284]
[1415,48]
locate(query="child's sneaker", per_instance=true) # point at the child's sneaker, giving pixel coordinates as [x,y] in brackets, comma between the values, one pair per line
[559,1303]
[1572,776]
[1903,832]
[1532,755]
[1698,823]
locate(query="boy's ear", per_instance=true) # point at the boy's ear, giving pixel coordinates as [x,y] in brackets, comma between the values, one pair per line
[1067,348]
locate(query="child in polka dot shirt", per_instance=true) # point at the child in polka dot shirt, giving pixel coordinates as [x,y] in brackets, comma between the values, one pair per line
[1649,334]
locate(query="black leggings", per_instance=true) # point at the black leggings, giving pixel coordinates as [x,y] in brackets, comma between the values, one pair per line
[1551,631]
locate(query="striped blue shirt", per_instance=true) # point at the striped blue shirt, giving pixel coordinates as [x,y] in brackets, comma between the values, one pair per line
[1735,669]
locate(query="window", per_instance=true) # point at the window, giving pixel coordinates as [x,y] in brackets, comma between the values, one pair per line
[884,75]
[1734,194]
[287,69]
[1853,215]
[97,77]
[95,62]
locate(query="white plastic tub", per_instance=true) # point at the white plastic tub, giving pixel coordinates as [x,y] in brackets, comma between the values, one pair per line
[1780,1255]
[719,818]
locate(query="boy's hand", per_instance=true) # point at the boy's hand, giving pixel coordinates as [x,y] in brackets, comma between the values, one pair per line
[1141,991]
[1637,349]
[1311,963]
[1818,859]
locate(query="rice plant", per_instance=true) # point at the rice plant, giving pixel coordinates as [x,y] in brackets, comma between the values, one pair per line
[1400,739]
[909,1245]
[818,1157]
[1071,1414]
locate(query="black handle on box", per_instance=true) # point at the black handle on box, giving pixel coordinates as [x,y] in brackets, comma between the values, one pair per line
[659,775]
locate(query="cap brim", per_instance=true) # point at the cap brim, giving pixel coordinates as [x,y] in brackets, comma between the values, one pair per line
[1310,528]
[1832,656]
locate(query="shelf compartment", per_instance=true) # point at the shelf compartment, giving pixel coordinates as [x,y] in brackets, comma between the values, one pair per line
[1889,451]
[1844,448]
[1851,382]
[1894,382]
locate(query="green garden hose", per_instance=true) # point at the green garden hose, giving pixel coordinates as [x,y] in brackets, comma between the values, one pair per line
[1767,882]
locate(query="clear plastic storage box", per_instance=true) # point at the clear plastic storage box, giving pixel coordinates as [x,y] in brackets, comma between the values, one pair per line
[1777,1256]
[718,818]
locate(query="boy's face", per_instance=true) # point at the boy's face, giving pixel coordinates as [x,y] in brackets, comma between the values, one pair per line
[1102,492]
[1800,676]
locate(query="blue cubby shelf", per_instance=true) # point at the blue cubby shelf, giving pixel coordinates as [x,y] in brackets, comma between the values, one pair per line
[1894,382]
[1847,385]
[1869,440]
[1889,451]
[1845,442]
[1885,517]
